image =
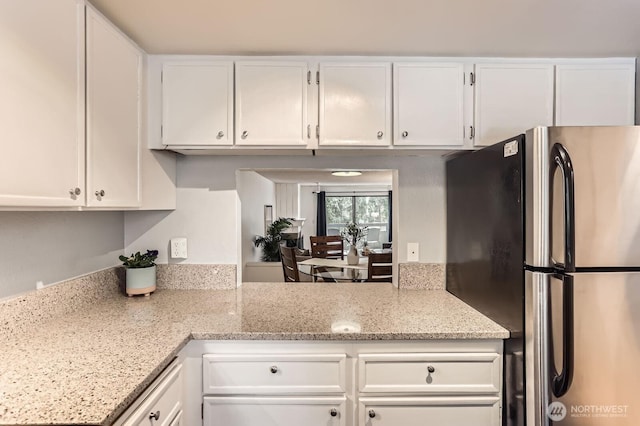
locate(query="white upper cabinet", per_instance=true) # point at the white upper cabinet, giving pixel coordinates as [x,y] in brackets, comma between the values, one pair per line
[42,103]
[511,98]
[595,95]
[428,104]
[197,103]
[355,104]
[114,66]
[271,103]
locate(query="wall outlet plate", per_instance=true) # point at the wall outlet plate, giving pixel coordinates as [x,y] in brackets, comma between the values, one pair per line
[413,252]
[178,248]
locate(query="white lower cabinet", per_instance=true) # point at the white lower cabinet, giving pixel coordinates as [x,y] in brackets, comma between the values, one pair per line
[161,404]
[447,383]
[410,411]
[275,411]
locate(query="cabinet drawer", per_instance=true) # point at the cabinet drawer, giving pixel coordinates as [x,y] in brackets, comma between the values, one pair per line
[476,411]
[165,400]
[274,411]
[273,373]
[432,373]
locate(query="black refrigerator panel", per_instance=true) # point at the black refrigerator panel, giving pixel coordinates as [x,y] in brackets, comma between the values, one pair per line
[485,231]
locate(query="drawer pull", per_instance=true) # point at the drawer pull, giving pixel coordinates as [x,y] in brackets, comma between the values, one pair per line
[372,413]
[430,369]
[155,416]
[333,412]
[273,369]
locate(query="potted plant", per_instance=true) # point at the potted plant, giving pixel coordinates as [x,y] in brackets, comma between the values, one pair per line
[141,272]
[353,234]
[270,243]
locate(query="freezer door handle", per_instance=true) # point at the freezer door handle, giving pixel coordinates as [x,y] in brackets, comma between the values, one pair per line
[560,159]
[560,382]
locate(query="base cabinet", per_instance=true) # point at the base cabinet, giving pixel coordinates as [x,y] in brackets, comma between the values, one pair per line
[448,383]
[274,411]
[429,411]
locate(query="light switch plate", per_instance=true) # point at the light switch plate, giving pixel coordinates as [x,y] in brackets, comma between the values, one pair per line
[178,248]
[413,252]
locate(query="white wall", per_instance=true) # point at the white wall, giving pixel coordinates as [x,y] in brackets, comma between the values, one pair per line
[55,246]
[255,192]
[419,202]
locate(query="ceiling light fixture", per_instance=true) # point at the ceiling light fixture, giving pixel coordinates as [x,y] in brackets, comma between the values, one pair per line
[346,173]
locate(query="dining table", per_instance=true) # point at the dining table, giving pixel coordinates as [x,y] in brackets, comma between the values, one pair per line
[334,269]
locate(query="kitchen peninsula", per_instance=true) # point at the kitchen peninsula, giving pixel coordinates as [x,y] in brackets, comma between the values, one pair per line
[90,361]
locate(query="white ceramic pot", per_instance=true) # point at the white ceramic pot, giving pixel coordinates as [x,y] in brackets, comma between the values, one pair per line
[141,280]
[352,256]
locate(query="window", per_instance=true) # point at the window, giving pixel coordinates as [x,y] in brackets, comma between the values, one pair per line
[365,210]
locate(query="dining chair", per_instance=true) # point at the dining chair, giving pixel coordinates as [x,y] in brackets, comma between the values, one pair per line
[289,264]
[380,267]
[329,247]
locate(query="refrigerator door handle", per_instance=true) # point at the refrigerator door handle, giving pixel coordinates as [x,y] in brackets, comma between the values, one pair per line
[561,382]
[560,159]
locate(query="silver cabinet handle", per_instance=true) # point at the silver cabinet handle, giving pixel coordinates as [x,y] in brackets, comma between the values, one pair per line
[273,369]
[244,134]
[405,134]
[154,416]
[100,193]
[430,369]
[372,413]
[75,191]
[220,134]
[380,135]
[333,412]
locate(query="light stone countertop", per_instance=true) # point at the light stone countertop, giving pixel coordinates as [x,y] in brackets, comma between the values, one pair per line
[87,367]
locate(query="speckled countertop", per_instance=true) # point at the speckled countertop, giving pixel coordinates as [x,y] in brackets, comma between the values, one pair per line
[87,367]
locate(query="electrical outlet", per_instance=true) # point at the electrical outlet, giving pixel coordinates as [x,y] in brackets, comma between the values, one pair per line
[413,252]
[178,248]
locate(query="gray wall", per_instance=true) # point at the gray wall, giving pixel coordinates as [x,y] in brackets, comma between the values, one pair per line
[420,203]
[55,246]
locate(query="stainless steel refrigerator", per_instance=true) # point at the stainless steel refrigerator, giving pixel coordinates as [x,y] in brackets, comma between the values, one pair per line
[543,236]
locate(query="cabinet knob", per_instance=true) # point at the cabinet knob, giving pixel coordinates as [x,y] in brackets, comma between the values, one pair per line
[220,134]
[154,416]
[75,191]
[380,135]
[100,193]
[273,369]
[244,134]
[405,134]
[430,369]
[372,413]
[333,412]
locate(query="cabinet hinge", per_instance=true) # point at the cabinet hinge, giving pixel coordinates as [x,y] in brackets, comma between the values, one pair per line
[317,132]
[308,131]
[472,132]
[308,77]
[472,79]
[202,410]
[317,77]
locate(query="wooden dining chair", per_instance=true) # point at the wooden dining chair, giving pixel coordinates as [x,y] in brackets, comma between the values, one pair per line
[329,247]
[289,264]
[380,267]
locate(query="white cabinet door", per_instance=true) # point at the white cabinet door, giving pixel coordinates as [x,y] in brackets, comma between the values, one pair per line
[595,95]
[42,103]
[274,411]
[197,103]
[271,103]
[511,98]
[355,104]
[409,411]
[428,104]
[113,115]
